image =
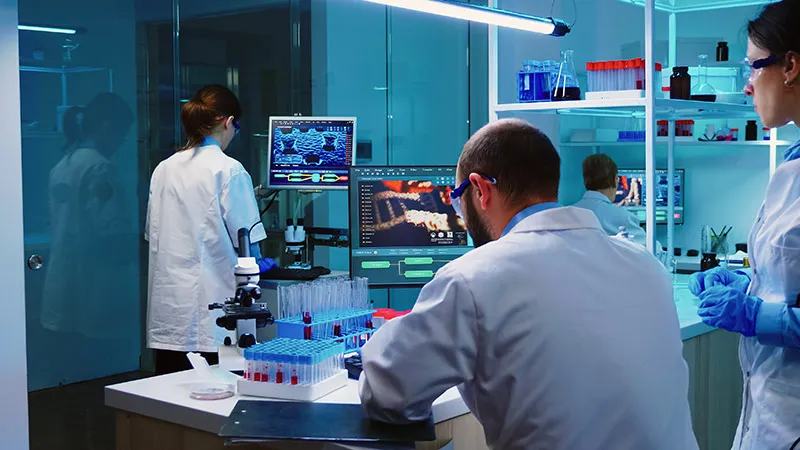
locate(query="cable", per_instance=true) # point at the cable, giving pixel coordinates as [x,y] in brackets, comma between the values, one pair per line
[271,197]
[795,444]
[574,8]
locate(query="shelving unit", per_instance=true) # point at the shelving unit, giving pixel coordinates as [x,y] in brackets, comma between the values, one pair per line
[662,142]
[648,108]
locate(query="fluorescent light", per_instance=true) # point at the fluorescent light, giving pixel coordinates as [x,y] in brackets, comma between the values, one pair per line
[47,29]
[482,14]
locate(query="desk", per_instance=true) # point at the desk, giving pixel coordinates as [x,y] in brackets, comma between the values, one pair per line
[157,413]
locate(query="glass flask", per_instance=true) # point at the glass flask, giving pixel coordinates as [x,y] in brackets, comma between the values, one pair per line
[703,91]
[566,86]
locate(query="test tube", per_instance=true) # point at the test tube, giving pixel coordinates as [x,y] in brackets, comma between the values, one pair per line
[639,70]
[589,76]
[619,68]
[295,364]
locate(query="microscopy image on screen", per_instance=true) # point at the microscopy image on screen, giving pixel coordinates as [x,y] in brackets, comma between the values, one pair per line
[311,146]
[409,213]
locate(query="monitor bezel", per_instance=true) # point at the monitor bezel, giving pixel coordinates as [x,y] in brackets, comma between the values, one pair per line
[308,188]
[683,193]
[352,229]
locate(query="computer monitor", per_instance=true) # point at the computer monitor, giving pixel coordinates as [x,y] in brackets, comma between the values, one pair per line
[403,227]
[310,153]
[632,188]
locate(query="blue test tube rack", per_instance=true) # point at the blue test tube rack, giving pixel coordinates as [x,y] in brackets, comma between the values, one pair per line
[328,325]
[293,369]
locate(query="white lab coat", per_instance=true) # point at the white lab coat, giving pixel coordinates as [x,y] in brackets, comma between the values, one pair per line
[612,217]
[199,199]
[558,336]
[770,361]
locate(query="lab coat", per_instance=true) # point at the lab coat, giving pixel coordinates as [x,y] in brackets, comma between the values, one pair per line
[199,199]
[558,336]
[770,418]
[612,217]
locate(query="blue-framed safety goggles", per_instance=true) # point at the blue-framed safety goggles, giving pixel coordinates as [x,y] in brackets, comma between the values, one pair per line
[236,126]
[754,67]
[455,196]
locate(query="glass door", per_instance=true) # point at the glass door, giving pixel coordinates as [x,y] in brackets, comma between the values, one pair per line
[84,189]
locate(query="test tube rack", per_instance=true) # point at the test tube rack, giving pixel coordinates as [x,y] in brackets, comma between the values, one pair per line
[351,325]
[293,369]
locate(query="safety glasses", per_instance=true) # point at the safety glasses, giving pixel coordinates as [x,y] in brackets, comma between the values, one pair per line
[455,196]
[236,125]
[753,68]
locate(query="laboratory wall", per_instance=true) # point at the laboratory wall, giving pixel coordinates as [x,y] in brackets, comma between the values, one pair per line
[83,192]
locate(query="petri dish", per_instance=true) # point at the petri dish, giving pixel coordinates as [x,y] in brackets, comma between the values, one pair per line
[212,391]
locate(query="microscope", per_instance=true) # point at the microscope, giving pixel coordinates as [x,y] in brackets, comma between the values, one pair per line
[295,237]
[243,313]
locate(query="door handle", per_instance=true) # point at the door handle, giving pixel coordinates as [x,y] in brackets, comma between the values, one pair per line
[35,262]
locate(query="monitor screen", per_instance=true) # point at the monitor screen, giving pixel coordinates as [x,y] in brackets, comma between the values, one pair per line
[403,227]
[310,153]
[631,189]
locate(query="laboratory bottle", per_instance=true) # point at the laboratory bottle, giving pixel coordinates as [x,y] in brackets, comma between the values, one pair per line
[702,91]
[679,83]
[566,87]
[525,82]
[767,133]
[722,51]
[751,131]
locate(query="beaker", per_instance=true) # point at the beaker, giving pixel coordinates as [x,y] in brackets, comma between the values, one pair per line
[566,87]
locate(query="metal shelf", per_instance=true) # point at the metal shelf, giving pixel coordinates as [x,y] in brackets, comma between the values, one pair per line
[663,141]
[635,108]
[683,6]
[61,70]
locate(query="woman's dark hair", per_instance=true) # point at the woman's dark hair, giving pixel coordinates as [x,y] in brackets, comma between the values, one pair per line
[82,122]
[202,113]
[775,29]
[599,172]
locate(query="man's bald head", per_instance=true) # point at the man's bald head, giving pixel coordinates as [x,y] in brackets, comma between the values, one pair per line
[519,156]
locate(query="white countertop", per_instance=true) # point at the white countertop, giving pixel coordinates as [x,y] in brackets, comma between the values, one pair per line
[167,397]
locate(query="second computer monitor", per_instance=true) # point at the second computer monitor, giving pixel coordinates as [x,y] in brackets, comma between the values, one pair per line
[310,153]
[632,188]
[403,227]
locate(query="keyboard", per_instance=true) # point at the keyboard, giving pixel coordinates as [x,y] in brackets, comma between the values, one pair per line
[280,273]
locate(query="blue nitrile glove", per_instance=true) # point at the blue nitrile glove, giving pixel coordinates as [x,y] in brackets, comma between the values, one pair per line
[729,309]
[266,264]
[718,276]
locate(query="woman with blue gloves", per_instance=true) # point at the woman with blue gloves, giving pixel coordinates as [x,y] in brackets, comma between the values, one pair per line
[762,303]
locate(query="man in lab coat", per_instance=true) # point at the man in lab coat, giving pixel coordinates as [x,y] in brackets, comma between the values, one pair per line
[600,179]
[549,349]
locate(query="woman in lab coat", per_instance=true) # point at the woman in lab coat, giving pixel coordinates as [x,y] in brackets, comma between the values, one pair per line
[762,304]
[199,199]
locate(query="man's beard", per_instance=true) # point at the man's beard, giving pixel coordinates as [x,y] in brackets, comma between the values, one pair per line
[476,226]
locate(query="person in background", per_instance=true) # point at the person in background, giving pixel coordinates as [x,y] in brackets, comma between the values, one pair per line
[199,199]
[761,304]
[531,325]
[600,179]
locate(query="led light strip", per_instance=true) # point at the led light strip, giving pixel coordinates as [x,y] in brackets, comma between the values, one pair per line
[46,29]
[482,14]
